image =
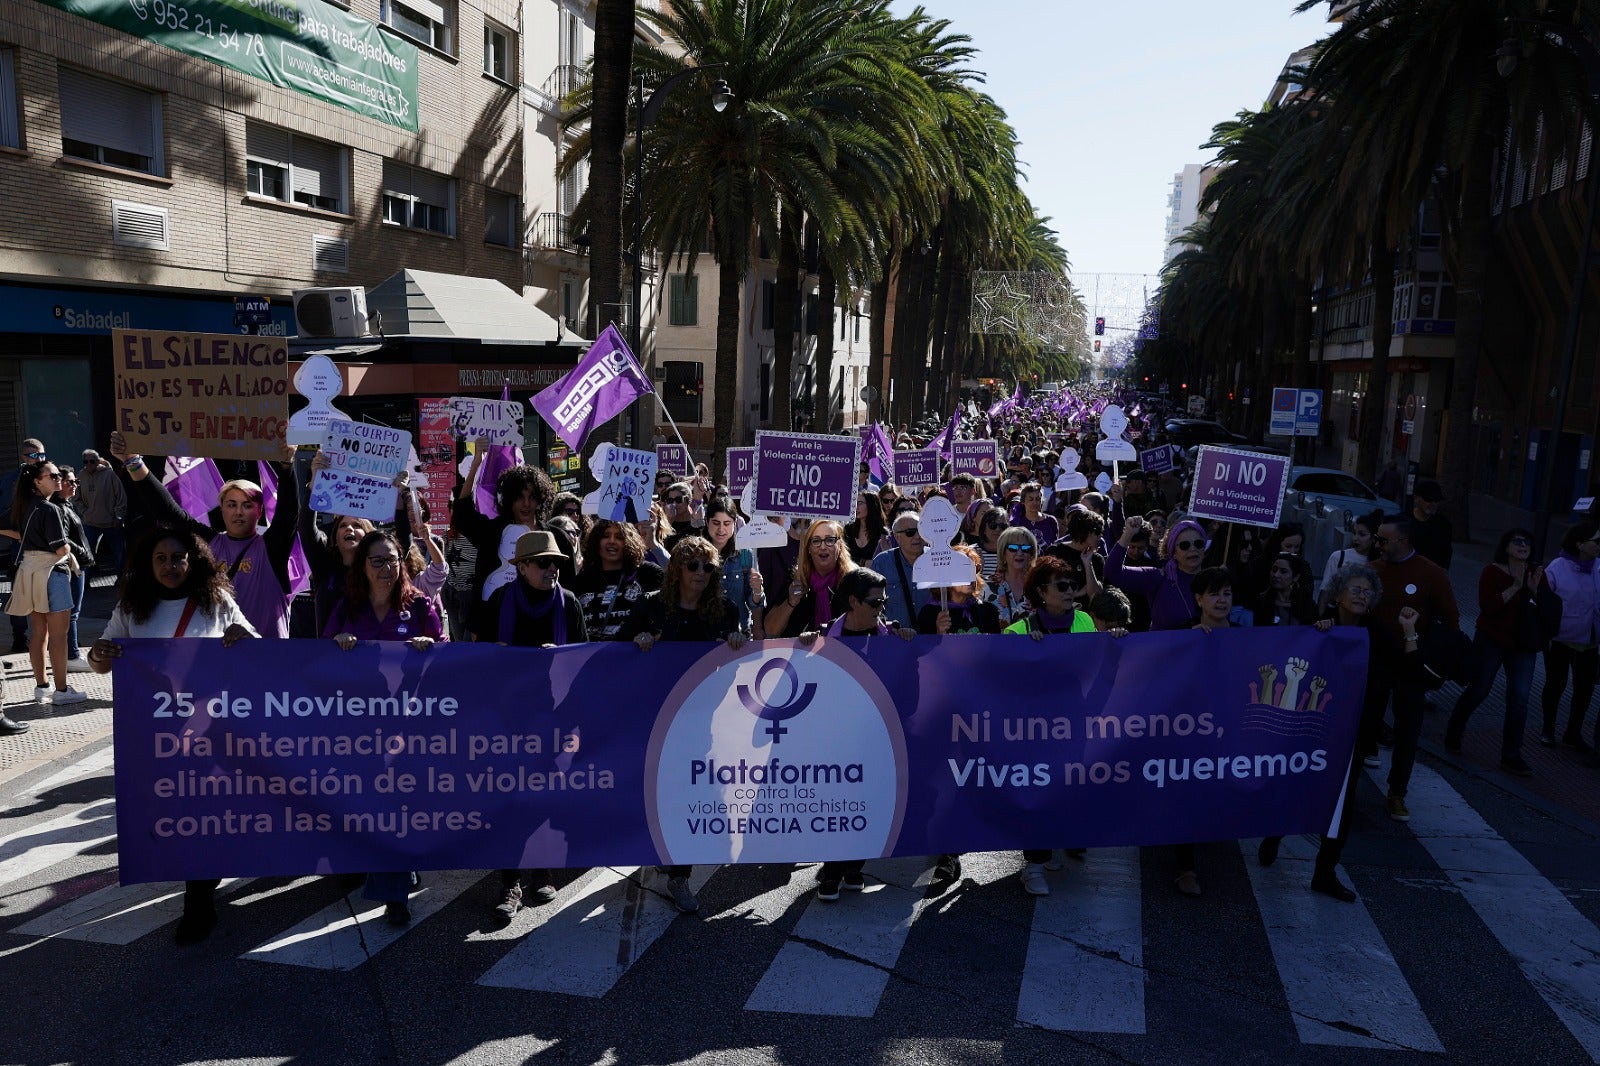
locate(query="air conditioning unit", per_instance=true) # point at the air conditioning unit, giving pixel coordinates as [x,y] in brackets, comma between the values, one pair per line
[332,312]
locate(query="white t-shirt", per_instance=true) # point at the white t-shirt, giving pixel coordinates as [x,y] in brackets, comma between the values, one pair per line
[163,621]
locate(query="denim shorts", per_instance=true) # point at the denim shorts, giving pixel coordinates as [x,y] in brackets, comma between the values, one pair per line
[59,591]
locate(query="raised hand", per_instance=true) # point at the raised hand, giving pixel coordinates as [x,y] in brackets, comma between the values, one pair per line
[1295,669]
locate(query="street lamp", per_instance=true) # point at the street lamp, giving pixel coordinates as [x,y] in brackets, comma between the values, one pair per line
[721,97]
[1507,56]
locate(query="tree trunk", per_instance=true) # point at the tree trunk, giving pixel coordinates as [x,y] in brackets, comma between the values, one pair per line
[877,331]
[827,292]
[613,61]
[900,342]
[786,291]
[1472,267]
[726,408]
[939,373]
[1375,414]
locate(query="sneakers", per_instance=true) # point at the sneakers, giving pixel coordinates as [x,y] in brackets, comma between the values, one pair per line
[41,694]
[63,696]
[510,904]
[683,896]
[1189,883]
[852,880]
[828,891]
[397,913]
[1055,862]
[545,893]
[79,664]
[10,727]
[1033,882]
[1371,760]
[1396,806]
[1516,767]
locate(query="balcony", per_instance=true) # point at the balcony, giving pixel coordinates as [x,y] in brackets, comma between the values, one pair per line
[553,232]
[563,81]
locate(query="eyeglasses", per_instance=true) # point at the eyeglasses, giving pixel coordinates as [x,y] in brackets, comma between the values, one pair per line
[694,566]
[37,456]
[829,540]
[543,562]
[875,601]
[674,500]
[388,562]
[1521,541]
[74,481]
[53,477]
[1191,545]
[1358,590]
[1023,548]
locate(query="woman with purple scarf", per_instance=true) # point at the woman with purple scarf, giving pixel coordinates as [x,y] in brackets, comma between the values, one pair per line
[1166,587]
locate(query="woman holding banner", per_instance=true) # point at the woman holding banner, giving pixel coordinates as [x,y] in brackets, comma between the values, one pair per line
[173,587]
[689,607]
[381,604]
[808,603]
[615,578]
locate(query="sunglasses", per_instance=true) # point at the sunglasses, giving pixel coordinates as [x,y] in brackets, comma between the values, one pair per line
[1523,541]
[694,566]
[1191,545]
[1066,587]
[53,477]
[544,562]
[993,523]
[674,500]
[74,481]
[912,532]
[1023,548]
[875,601]
[38,456]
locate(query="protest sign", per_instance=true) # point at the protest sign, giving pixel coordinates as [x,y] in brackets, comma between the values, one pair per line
[627,479]
[977,457]
[940,565]
[1157,460]
[496,422]
[1237,486]
[741,467]
[806,475]
[1113,448]
[1068,476]
[319,381]
[475,756]
[918,469]
[216,395]
[364,460]
[673,459]
[436,453]
[1102,482]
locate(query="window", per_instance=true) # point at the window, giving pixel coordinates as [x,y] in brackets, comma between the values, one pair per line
[769,292]
[280,165]
[499,50]
[502,219]
[685,308]
[421,20]
[10,132]
[681,386]
[111,123]
[418,199]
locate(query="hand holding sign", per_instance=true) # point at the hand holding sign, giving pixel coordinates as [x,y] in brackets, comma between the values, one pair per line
[627,477]
[940,565]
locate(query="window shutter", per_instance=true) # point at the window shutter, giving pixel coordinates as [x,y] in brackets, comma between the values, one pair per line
[317,170]
[8,100]
[430,188]
[266,143]
[107,113]
[396,178]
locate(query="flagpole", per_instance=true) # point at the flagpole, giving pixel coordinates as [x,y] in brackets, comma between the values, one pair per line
[674,426]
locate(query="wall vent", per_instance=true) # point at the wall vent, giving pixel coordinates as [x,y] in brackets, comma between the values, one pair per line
[139,225]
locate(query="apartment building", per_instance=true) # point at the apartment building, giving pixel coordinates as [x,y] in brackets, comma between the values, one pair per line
[1183,206]
[170,157]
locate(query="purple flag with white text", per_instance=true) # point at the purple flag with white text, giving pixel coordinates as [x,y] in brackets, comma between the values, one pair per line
[605,381]
[195,484]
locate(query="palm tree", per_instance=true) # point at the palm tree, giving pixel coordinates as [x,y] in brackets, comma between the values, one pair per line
[608,118]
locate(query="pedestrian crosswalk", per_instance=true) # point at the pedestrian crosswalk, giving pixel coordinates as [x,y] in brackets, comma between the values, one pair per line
[1079,955]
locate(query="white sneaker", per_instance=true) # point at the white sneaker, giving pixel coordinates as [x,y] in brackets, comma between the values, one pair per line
[67,695]
[79,664]
[41,694]
[1033,880]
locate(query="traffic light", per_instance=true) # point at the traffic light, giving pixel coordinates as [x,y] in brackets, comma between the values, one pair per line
[1097,346]
[1099,327]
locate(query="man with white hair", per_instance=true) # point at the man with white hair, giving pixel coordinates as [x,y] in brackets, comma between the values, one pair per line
[103,504]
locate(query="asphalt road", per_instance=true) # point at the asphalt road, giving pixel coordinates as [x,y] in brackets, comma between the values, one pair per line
[1475,937]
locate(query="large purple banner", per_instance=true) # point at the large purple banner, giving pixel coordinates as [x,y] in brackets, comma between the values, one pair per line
[806,475]
[1237,486]
[476,756]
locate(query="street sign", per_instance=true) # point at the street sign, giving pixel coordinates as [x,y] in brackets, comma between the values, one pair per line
[1197,405]
[1295,413]
[1408,416]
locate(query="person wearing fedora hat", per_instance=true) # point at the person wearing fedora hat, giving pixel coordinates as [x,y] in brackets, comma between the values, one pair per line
[533,611]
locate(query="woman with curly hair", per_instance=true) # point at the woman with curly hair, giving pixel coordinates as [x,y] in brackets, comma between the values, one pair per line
[522,497]
[615,577]
[174,587]
[689,607]
[808,601]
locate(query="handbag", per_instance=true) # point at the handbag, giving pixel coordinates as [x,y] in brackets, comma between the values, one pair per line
[1446,655]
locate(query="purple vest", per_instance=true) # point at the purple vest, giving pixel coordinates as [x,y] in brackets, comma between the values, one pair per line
[261,598]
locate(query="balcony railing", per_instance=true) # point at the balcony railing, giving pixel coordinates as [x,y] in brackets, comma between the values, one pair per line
[554,232]
[563,81]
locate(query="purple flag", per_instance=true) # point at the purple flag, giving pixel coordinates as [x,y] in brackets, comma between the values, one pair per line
[878,451]
[605,381]
[299,565]
[947,436]
[496,461]
[194,483]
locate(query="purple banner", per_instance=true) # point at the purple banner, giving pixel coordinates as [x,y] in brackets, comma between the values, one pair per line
[1157,460]
[741,468]
[918,469]
[605,381]
[476,756]
[1237,486]
[673,459]
[806,475]
[978,457]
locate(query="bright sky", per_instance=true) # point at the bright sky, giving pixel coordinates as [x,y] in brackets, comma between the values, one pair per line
[1112,97]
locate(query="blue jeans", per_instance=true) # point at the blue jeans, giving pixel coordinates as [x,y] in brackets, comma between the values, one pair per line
[80,582]
[1519,686]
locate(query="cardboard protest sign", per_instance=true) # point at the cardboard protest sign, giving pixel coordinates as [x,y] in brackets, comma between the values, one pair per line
[918,469]
[940,565]
[1068,476]
[627,479]
[741,468]
[1102,482]
[319,381]
[1114,449]
[762,531]
[674,459]
[978,457]
[217,395]
[806,475]
[1238,486]
[365,459]
[499,422]
[1157,460]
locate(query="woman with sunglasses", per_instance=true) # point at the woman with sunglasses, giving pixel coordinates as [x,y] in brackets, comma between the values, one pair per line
[1018,552]
[1166,587]
[569,505]
[42,589]
[866,530]
[689,607]
[988,523]
[1573,576]
[381,604]
[808,600]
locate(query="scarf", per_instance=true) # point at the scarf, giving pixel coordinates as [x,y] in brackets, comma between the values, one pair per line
[1585,566]
[837,628]
[822,592]
[1055,623]
[518,604]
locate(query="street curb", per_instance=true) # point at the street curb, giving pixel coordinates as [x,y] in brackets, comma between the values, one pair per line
[58,754]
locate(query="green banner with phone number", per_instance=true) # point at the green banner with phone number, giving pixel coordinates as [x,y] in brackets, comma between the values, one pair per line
[305,45]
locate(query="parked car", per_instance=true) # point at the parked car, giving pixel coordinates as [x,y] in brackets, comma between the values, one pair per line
[1190,432]
[1339,489]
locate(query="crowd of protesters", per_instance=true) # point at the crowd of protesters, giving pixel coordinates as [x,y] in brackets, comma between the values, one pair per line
[533,570]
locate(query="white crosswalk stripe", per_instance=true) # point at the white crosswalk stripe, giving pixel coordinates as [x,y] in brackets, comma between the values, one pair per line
[118,914]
